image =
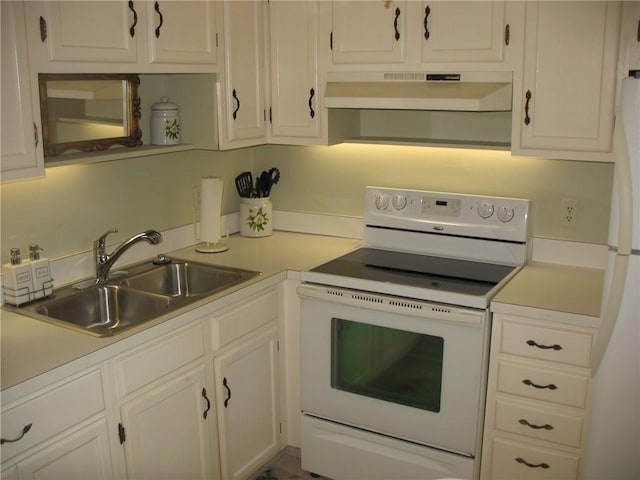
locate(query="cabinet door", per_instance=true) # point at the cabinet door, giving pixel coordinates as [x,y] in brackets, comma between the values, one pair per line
[181,32]
[166,430]
[241,89]
[565,106]
[295,87]
[463,31]
[369,32]
[103,31]
[247,404]
[21,155]
[80,455]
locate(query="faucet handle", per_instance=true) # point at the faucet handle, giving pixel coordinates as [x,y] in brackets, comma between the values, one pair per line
[100,243]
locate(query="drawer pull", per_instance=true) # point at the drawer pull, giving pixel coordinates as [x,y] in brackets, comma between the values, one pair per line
[25,430]
[532,343]
[206,411]
[532,465]
[528,382]
[546,426]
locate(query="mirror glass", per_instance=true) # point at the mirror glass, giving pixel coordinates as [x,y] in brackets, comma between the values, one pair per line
[89,112]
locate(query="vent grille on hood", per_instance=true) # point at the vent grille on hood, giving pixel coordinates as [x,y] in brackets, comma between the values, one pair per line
[464,91]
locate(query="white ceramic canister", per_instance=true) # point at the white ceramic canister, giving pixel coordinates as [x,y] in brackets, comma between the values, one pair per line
[165,123]
[256,217]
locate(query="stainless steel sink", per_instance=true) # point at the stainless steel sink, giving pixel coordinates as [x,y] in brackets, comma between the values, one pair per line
[104,309]
[186,279]
[147,291]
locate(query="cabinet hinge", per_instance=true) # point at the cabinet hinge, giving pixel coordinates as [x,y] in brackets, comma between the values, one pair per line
[43,29]
[121,434]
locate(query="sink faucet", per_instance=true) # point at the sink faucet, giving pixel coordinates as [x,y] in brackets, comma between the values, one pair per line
[105,261]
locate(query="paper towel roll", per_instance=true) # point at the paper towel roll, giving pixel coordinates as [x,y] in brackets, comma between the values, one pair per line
[210,207]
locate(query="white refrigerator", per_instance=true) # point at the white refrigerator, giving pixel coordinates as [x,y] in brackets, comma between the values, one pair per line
[613,428]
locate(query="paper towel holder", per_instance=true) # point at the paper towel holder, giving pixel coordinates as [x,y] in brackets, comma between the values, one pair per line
[211,194]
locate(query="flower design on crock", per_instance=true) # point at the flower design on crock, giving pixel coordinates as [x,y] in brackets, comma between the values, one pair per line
[171,129]
[257,219]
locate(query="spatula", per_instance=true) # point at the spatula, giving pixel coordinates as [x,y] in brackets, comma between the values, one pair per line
[244,184]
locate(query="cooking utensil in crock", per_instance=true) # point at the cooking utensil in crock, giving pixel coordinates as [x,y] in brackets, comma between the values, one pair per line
[244,184]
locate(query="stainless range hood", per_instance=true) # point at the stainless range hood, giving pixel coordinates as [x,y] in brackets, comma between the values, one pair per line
[458,91]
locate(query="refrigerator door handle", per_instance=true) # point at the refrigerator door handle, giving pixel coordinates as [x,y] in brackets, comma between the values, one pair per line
[611,310]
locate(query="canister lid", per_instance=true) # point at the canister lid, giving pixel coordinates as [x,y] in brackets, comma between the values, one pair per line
[164,104]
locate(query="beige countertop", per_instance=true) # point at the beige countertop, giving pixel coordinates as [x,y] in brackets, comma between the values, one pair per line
[555,292]
[30,347]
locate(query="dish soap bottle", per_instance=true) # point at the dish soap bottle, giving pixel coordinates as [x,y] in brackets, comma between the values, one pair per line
[18,283]
[40,273]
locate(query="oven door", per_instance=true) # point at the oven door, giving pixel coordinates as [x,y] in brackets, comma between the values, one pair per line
[409,369]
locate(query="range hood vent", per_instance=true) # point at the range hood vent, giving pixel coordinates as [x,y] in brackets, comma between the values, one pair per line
[459,91]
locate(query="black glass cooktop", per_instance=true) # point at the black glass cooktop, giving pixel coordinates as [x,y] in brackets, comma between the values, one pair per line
[446,274]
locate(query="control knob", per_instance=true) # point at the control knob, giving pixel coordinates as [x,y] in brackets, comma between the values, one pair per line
[485,209]
[505,214]
[382,201]
[399,202]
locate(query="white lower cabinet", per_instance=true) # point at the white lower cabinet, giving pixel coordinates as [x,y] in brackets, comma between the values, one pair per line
[537,399]
[58,432]
[247,384]
[167,429]
[197,400]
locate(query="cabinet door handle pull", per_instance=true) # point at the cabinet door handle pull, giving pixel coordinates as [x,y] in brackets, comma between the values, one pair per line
[527,118]
[35,134]
[533,343]
[507,34]
[427,12]
[528,382]
[546,426]
[43,29]
[226,385]
[156,7]
[532,465]
[206,411]
[395,24]
[234,94]
[25,430]
[132,30]
[312,93]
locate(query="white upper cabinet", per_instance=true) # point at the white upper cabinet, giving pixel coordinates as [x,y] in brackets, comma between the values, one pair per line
[242,84]
[295,113]
[182,32]
[371,32]
[81,31]
[121,36]
[21,154]
[464,31]
[418,35]
[564,105]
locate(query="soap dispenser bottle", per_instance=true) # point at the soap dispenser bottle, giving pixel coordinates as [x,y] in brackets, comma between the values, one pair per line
[40,273]
[18,280]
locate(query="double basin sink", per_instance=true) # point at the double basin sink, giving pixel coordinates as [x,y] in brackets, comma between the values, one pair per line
[144,292]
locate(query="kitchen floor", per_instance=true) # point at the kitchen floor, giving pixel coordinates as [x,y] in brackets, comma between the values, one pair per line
[286,466]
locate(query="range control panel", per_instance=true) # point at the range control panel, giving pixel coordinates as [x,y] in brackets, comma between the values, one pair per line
[451,213]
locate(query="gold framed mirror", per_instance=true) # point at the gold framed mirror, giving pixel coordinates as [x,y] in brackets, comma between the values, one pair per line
[89,112]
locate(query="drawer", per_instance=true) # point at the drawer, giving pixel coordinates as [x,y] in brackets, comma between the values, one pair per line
[51,412]
[158,358]
[551,385]
[554,345]
[538,422]
[513,460]
[232,323]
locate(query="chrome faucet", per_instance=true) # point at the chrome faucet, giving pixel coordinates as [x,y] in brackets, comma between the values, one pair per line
[105,261]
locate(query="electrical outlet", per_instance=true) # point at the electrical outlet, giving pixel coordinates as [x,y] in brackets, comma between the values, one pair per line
[569,212]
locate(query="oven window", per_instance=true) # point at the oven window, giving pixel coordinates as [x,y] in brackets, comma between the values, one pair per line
[388,364]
